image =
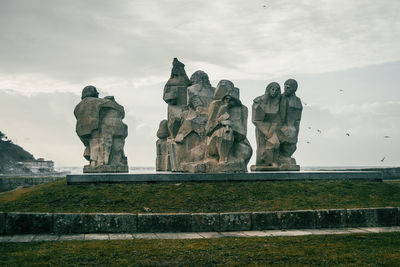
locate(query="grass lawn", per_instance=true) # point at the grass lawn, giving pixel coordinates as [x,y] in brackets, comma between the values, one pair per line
[201,197]
[329,250]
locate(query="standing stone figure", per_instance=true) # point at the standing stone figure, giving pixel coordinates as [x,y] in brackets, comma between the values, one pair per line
[267,117]
[288,134]
[228,149]
[277,120]
[175,95]
[99,126]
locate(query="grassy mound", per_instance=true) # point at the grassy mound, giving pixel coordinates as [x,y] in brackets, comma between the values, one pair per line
[329,250]
[201,197]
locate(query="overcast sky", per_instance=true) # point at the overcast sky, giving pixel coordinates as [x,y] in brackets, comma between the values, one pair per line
[49,50]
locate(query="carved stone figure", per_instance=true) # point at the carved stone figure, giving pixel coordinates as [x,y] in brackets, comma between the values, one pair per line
[182,139]
[175,95]
[228,149]
[288,135]
[191,138]
[277,119]
[267,117]
[99,126]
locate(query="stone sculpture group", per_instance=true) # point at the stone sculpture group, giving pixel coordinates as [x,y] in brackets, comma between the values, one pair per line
[205,130]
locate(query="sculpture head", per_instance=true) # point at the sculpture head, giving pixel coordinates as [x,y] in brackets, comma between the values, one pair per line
[89,91]
[226,88]
[178,68]
[273,90]
[290,87]
[200,77]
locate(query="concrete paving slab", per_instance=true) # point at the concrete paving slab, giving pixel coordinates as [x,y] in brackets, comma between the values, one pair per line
[381,229]
[97,237]
[42,238]
[289,233]
[357,230]
[5,238]
[72,237]
[338,231]
[319,232]
[120,236]
[210,234]
[178,236]
[145,236]
[255,233]
[22,238]
[233,234]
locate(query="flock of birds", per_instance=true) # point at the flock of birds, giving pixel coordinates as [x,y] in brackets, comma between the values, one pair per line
[347,133]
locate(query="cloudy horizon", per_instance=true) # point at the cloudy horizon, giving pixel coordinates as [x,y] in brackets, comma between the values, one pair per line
[50,50]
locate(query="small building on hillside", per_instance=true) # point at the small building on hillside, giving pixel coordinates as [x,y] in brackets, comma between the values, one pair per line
[38,166]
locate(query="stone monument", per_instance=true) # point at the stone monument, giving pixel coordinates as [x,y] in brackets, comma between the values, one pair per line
[277,120]
[99,126]
[206,127]
[181,146]
[228,149]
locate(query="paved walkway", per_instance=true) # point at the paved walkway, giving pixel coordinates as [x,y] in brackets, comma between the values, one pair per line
[41,238]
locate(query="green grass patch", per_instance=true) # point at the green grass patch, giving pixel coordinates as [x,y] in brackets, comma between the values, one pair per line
[327,250]
[201,197]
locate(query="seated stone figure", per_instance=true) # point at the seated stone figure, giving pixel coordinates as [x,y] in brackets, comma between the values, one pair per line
[267,117]
[100,128]
[228,149]
[191,138]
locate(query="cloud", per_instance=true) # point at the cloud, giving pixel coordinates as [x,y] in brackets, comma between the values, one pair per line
[77,41]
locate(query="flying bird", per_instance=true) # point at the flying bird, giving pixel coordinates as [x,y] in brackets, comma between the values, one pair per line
[383,159]
[341,90]
[308,142]
[386,136]
[319,131]
[347,134]
[308,127]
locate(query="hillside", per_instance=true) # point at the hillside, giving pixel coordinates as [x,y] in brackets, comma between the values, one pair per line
[10,155]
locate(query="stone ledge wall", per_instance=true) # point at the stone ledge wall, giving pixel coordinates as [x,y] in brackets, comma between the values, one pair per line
[10,183]
[74,223]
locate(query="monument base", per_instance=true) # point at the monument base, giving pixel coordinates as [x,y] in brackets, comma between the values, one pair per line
[212,166]
[105,169]
[258,168]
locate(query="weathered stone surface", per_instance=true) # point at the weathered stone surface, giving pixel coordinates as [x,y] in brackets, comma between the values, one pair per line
[277,120]
[335,218]
[27,223]
[159,223]
[235,221]
[362,217]
[267,220]
[68,223]
[273,220]
[2,223]
[110,223]
[228,149]
[205,222]
[388,216]
[100,128]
